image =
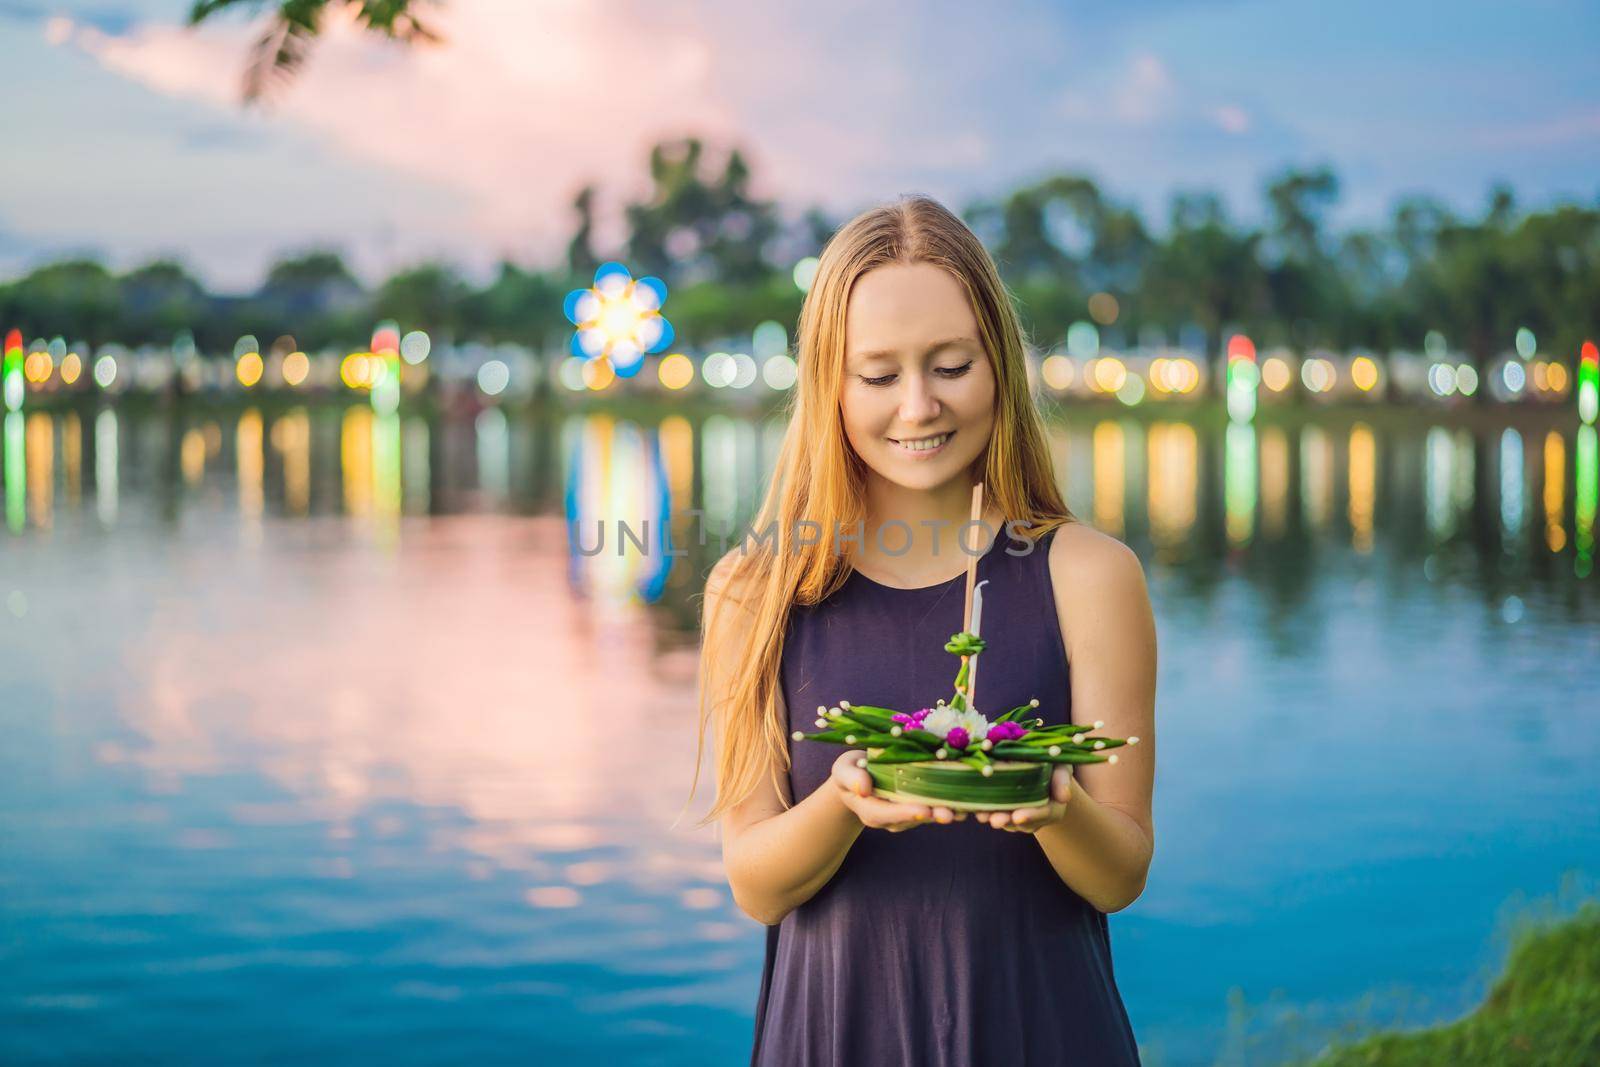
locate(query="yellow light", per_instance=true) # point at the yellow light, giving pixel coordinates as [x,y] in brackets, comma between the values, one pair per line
[37,367]
[1541,376]
[1109,374]
[1557,376]
[1057,371]
[1276,375]
[71,367]
[675,371]
[248,369]
[355,370]
[597,374]
[296,365]
[1364,373]
[1186,374]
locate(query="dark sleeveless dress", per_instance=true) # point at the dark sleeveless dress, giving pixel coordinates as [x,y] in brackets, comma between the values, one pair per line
[939,945]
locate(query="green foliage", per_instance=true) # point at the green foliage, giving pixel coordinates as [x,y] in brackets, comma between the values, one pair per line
[285,42]
[1544,1011]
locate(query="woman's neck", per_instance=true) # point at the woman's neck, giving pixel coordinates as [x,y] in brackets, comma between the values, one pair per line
[931,545]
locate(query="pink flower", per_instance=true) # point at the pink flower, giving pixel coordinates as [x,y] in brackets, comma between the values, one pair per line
[956,738]
[1006,731]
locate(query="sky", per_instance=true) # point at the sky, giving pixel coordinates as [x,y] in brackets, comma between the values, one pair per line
[122,134]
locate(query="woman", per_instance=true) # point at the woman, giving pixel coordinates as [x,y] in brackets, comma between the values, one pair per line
[972,941]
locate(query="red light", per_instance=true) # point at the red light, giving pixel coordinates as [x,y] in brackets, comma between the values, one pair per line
[14,340]
[1241,347]
[1591,354]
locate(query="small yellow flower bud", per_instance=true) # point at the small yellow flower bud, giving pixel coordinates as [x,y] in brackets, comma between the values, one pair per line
[1055,750]
[988,771]
[798,736]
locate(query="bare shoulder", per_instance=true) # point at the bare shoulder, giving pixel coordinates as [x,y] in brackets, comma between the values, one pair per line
[1085,560]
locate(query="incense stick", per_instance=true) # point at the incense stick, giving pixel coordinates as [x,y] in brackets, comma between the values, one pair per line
[972,578]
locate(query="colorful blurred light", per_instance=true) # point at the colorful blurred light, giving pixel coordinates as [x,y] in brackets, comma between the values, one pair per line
[1275,374]
[1318,375]
[1058,371]
[1243,378]
[296,365]
[780,372]
[1364,373]
[493,377]
[619,319]
[1107,374]
[415,346]
[805,273]
[1103,308]
[248,369]
[1588,382]
[675,371]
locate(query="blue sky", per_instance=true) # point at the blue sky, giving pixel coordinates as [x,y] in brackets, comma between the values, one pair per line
[121,133]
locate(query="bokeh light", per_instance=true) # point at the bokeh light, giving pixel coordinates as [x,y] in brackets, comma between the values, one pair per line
[675,371]
[805,273]
[493,377]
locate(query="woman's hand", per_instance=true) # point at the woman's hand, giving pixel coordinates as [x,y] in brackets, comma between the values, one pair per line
[1029,820]
[855,789]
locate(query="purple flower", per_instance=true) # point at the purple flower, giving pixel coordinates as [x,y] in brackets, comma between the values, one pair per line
[902,718]
[956,738]
[1006,731]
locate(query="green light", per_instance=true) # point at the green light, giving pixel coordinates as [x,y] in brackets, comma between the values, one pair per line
[1588,383]
[16,473]
[1585,495]
[11,381]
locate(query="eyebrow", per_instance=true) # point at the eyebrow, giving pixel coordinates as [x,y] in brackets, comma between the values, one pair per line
[881,353]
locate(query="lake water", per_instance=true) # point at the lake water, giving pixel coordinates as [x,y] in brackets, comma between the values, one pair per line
[289,769]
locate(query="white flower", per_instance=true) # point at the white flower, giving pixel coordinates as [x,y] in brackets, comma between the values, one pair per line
[975,724]
[942,720]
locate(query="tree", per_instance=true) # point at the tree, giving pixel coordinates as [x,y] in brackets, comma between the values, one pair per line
[285,41]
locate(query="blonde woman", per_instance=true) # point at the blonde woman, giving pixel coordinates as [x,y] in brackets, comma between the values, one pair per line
[978,940]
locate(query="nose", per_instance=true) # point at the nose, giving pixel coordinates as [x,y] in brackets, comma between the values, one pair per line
[917,402]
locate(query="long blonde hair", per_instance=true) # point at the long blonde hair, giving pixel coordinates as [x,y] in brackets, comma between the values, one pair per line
[818,479]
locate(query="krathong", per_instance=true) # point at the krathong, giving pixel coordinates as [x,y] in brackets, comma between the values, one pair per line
[953,755]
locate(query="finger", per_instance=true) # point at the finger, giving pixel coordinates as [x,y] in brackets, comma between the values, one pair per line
[943,815]
[999,819]
[886,813]
[1030,818]
[1061,783]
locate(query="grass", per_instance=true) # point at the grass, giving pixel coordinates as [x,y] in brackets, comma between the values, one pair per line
[1543,1011]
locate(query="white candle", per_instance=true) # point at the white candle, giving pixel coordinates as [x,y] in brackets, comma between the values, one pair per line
[977,607]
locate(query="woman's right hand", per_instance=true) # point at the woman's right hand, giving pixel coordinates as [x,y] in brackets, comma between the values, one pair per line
[855,790]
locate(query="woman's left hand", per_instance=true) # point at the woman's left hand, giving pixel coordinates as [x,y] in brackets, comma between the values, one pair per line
[1029,820]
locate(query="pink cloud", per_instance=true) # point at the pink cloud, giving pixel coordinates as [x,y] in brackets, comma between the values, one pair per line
[525,101]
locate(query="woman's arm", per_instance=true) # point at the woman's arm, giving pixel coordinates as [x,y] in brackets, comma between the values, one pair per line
[1104,840]
[777,858]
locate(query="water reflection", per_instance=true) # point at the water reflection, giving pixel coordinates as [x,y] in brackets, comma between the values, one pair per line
[333,758]
[1147,483]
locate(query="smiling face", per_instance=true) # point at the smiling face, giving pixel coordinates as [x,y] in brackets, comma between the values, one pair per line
[919,391]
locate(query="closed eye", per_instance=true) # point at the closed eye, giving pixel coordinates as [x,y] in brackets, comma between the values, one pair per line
[948,372]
